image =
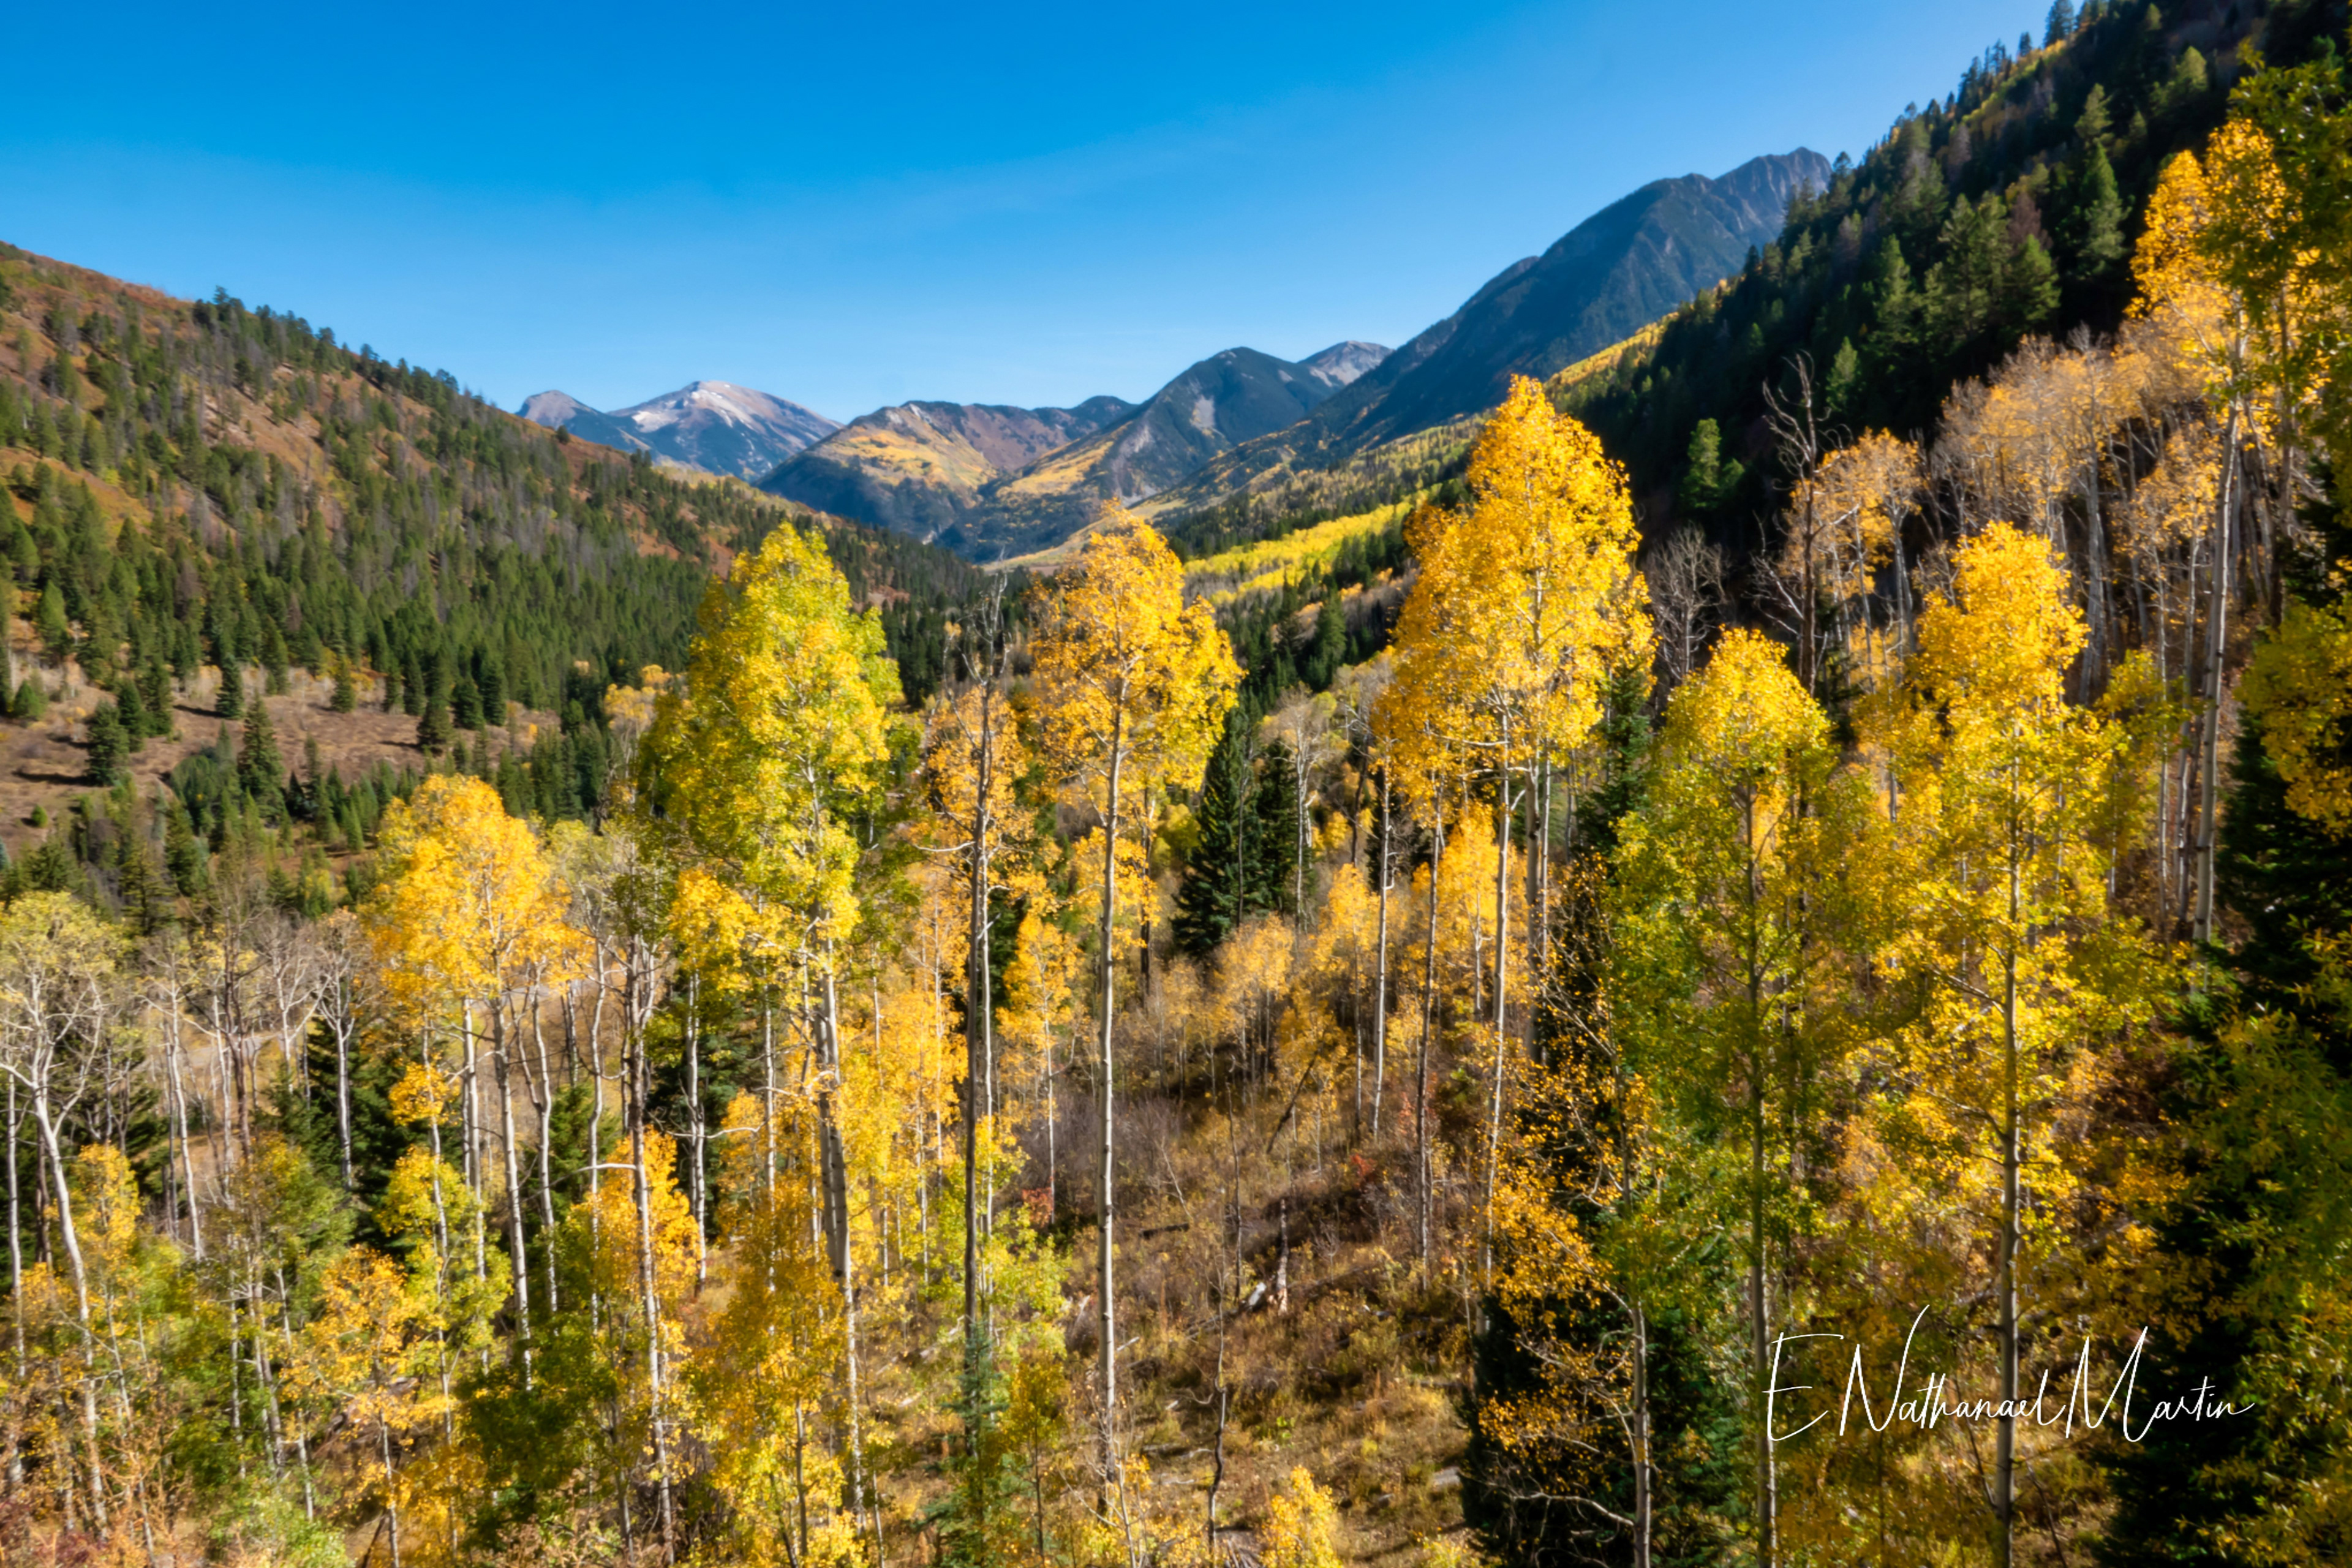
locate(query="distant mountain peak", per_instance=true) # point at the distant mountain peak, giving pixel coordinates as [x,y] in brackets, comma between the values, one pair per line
[1341,363]
[714,425]
[552,408]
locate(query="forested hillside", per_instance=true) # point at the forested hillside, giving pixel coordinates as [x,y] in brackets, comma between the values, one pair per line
[2006,210]
[1441,1027]
[209,503]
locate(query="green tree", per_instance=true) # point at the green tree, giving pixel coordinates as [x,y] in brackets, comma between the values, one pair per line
[49,624]
[107,746]
[1702,481]
[261,767]
[1219,870]
[2099,248]
[433,730]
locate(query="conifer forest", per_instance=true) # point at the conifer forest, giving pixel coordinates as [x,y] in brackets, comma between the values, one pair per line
[1748,964]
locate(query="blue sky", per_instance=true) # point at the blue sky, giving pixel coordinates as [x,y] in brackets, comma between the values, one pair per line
[851,206]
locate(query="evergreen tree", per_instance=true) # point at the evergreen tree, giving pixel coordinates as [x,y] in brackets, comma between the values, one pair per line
[2029,287]
[1845,376]
[1328,651]
[1220,874]
[230,703]
[491,681]
[1702,469]
[347,685]
[1274,863]
[2252,1240]
[259,767]
[31,702]
[132,713]
[2099,218]
[108,747]
[433,722]
[183,852]
[49,624]
[465,704]
[155,698]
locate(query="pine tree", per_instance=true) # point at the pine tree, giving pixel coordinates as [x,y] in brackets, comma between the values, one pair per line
[433,723]
[230,703]
[1702,469]
[259,767]
[1328,651]
[491,681]
[1845,376]
[183,852]
[1275,859]
[133,715]
[2262,1087]
[107,745]
[465,704]
[155,697]
[1221,873]
[49,625]
[2099,217]
[347,685]
[2029,287]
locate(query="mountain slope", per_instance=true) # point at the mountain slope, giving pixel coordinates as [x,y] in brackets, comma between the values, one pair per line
[1618,270]
[203,490]
[2032,171]
[714,425]
[918,466]
[1213,406]
[992,481]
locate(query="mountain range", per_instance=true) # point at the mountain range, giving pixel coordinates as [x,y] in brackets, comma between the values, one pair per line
[1628,265]
[992,481]
[714,425]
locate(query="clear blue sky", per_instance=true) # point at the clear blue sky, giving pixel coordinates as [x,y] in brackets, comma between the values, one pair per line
[858,204]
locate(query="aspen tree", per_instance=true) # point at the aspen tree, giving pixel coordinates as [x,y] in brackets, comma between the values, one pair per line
[472,921]
[1527,600]
[1132,685]
[751,772]
[1730,873]
[2016,808]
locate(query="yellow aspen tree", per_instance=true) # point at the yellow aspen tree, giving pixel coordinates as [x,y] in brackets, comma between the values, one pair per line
[2181,288]
[754,763]
[1731,899]
[635,1244]
[1358,689]
[366,1353]
[472,918]
[2016,806]
[59,998]
[973,759]
[1132,685]
[1528,600]
[772,1356]
[1855,504]
[1038,1007]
